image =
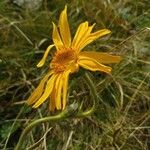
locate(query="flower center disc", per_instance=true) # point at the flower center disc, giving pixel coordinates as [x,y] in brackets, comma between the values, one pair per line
[63,60]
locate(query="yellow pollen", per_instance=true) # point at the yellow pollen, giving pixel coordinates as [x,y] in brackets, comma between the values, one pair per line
[63,60]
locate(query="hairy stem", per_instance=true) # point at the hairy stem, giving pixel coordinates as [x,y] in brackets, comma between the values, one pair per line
[64,114]
[36,122]
[91,86]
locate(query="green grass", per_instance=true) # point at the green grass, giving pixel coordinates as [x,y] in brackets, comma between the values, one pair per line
[122,119]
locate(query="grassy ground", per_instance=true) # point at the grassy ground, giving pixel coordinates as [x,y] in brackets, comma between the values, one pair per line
[122,120]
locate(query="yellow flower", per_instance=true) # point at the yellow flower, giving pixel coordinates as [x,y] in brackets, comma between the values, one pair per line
[66,60]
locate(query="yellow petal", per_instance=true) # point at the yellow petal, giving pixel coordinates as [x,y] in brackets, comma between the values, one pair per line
[41,63]
[64,28]
[52,100]
[47,92]
[80,33]
[101,57]
[92,37]
[65,87]
[56,38]
[93,65]
[58,91]
[38,91]
[84,37]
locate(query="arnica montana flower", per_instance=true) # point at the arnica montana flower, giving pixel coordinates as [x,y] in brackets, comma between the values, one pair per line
[67,60]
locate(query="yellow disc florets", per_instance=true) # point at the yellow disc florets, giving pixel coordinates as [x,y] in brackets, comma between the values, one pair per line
[64,60]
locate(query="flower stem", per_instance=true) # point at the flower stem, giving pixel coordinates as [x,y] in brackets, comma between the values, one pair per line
[64,114]
[91,86]
[60,116]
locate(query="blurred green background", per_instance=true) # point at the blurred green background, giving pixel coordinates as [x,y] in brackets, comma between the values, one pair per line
[122,120]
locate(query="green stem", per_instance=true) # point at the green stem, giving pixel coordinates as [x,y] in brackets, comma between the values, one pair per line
[65,114]
[60,116]
[91,86]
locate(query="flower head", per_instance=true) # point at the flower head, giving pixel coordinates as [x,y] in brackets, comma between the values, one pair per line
[67,60]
